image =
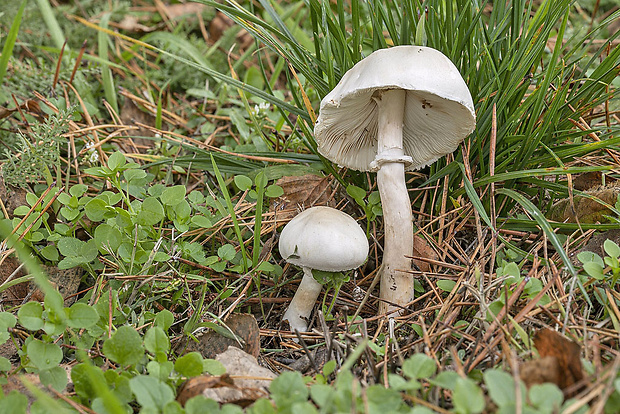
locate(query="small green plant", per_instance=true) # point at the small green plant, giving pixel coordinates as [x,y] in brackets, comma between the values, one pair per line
[371,203]
[605,270]
[510,277]
[144,370]
[37,154]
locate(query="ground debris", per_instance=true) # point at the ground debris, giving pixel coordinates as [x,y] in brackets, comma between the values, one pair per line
[559,361]
[244,382]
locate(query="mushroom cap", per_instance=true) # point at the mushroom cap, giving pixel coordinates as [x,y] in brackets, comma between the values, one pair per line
[324,238]
[439,111]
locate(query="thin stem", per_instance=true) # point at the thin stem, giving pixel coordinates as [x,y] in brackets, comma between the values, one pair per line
[396,282]
[303,302]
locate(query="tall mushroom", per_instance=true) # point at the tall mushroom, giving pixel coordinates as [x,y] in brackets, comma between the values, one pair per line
[320,238]
[398,109]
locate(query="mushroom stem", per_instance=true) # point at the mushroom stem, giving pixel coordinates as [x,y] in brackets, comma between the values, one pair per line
[301,306]
[396,283]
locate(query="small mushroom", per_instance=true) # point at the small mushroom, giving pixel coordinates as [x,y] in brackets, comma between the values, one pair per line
[398,109]
[320,238]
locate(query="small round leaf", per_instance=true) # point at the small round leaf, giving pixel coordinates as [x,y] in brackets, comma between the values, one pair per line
[124,347]
[82,316]
[44,355]
[189,365]
[172,196]
[30,316]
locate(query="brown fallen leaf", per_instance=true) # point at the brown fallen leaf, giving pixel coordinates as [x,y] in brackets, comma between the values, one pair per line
[15,382]
[131,114]
[422,248]
[12,197]
[586,209]
[175,11]
[588,181]
[218,26]
[539,371]
[220,23]
[131,23]
[196,385]
[67,281]
[244,382]
[15,294]
[30,105]
[559,361]
[212,343]
[9,351]
[301,191]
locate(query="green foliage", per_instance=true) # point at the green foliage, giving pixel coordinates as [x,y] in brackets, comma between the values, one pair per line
[467,397]
[189,365]
[607,269]
[603,272]
[7,50]
[151,393]
[38,152]
[124,347]
[371,204]
[14,403]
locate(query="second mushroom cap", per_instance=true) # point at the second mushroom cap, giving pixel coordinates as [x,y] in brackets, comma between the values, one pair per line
[324,238]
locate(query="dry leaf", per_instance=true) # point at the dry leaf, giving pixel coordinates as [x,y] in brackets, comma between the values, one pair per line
[211,343]
[15,294]
[539,371]
[588,181]
[195,386]
[9,351]
[131,114]
[12,197]
[30,105]
[15,382]
[586,209]
[421,248]
[301,191]
[218,26]
[66,280]
[131,23]
[220,23]
[249,381]
[175,11]
[559,361]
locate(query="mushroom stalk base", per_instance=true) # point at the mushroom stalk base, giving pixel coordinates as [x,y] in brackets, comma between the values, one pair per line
[303,302]
[396,282]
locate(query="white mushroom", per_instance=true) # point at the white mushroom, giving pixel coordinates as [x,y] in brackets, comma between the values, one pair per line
[398,109]
[320,238]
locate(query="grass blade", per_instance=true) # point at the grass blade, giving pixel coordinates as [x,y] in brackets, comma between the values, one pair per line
[7,50]
[233,216]
[106,72]
[51,23]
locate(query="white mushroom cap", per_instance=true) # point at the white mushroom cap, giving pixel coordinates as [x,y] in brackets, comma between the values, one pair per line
[439,112]
[324,238]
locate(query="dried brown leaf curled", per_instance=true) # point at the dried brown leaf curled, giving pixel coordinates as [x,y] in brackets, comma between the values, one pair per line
[559,361]
[244,382]
[301,192]
[587,209]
